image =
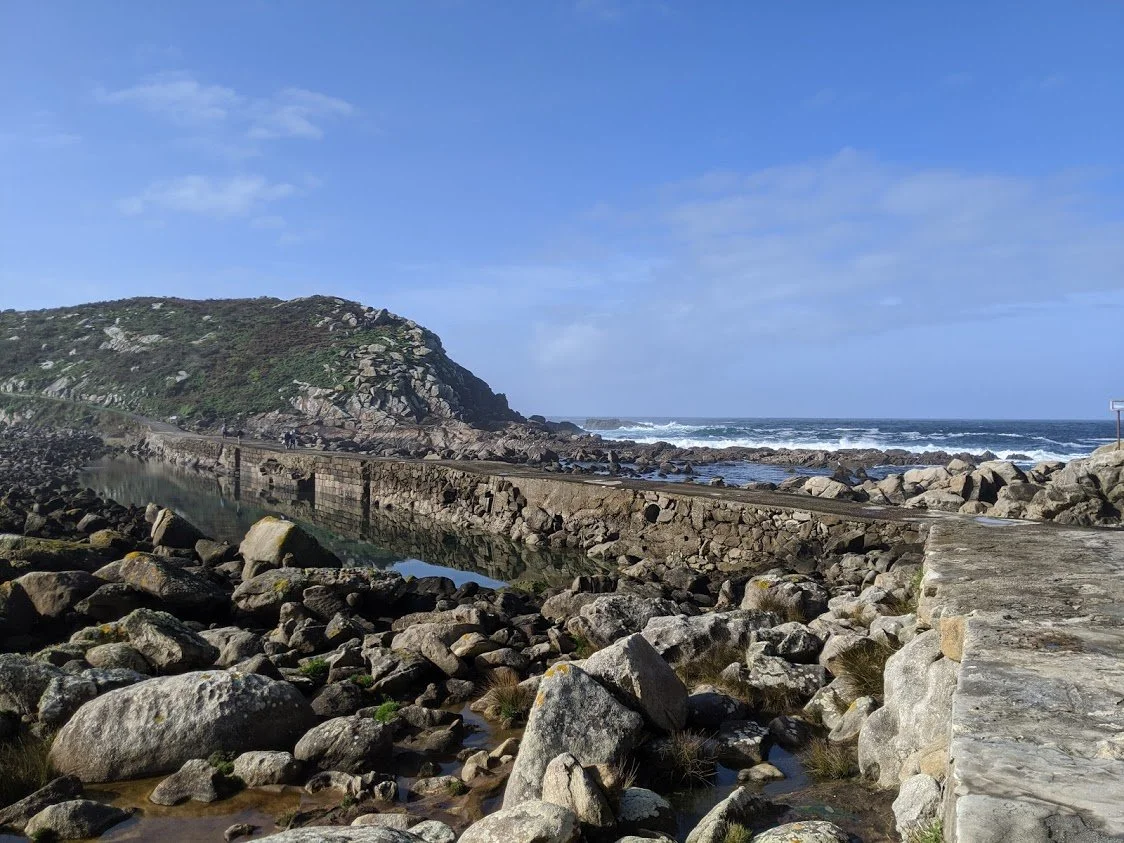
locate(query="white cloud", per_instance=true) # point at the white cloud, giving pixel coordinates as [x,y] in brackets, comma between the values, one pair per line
[185,101]
[221,198]
[291,112]
[178,97]
[727,277]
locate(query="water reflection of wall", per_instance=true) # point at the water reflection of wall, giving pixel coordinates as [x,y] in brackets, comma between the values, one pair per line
[226,506]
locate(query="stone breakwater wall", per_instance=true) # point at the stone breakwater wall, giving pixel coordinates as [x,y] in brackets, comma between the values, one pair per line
[711,529]
[1005,719]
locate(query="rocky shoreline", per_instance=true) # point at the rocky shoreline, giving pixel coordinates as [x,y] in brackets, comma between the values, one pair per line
[147,649]
[1084,492]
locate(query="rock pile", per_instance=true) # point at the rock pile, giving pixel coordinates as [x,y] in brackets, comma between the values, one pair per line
[153,650]
[1084,492]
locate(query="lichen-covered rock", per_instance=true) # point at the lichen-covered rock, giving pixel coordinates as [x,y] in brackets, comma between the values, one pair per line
[62,789]
[175,587]
[914,721]
[681,639]
[350,744]
[345,834]
[172,530]
[117,656]
[795,595]
[258,768]
[805,831]
[741,807]
[640,809]
[23,681]
[567,784]
[264,594]
[155,726]
[52,593]
[638,674]
[571,713]
[531,821]
[613,616]
[166,643]
[195,781]
[77,819]
[274,542]
[917,804]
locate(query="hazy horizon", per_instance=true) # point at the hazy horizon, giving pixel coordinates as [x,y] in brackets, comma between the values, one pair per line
[740,210]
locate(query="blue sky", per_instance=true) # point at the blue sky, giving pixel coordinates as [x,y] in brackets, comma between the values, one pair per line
[604,206]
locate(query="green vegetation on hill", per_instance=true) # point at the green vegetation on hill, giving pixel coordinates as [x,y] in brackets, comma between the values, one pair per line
[226,358]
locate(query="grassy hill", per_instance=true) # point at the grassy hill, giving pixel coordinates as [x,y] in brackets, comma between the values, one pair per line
[316,359]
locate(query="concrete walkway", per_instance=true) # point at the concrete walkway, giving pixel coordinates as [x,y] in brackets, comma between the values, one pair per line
[1035,615]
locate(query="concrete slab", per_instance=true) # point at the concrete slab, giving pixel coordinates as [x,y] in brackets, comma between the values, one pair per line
[1036,615]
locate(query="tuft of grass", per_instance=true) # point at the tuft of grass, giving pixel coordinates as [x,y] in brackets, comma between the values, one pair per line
[506,700]
[707,669]
[825,761]
[316,668]
[456,787]
[776,700]
[933,832]
[25,767]
[223,762]
[45,835]
[624,775]
[771,601]
[737,833]
[693,757]
[387,711]
[863,666]
[583,647]
[363,680]
[349,802]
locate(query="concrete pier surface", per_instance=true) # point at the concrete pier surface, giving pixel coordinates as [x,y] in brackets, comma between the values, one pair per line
[1035,616]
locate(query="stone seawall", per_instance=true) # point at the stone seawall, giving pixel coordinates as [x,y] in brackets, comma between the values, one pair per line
[712,529]
[1009,711]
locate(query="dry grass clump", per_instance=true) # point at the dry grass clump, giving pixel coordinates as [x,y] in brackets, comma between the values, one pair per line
[506,700]
[770,600]
[775,700]
[825,761]
[24,767]
[737,833]
[693,757]
[707,669]
[863,666]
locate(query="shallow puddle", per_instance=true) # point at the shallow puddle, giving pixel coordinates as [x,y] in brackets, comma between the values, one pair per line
[195,821]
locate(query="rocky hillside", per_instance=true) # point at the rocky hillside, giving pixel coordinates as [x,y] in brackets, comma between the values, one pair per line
[260,362]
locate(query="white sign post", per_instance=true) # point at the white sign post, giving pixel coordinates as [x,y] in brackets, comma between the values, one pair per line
[1117,405]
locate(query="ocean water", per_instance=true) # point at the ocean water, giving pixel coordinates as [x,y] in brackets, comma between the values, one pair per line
[1030,441]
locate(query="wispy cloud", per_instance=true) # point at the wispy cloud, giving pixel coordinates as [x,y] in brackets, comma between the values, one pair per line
[183,100]
[220,198]
[291,114]
[178,97]
[744,266]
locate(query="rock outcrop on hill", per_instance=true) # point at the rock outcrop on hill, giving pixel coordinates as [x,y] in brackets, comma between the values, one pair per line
[259,363]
